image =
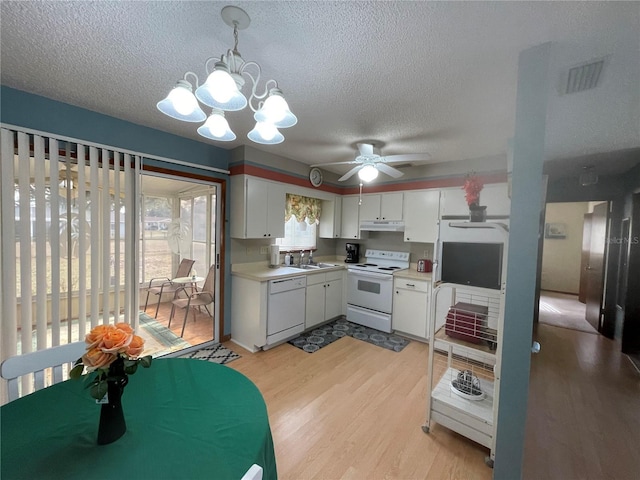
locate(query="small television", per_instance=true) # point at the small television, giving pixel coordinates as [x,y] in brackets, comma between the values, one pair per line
[473,264]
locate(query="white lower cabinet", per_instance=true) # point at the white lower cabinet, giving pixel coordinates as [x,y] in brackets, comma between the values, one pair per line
[324,297]
[411,307]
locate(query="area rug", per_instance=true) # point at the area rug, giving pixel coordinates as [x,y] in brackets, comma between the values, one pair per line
[216,354]
[326,334]
[564,310]
[158,339]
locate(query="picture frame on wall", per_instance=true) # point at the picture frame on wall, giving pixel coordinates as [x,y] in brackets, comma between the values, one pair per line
[555,230]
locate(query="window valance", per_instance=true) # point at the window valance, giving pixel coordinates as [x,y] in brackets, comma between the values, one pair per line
[302,208]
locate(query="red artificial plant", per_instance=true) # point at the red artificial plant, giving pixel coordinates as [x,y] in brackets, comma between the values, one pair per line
[472,187]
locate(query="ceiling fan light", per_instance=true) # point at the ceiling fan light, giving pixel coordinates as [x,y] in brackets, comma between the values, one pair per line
[181,104]
[368,173]
[216,127]
[275,110]
[221,91]
[266,134]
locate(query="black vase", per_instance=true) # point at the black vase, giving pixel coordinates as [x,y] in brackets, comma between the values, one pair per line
[477,213]
[112,424]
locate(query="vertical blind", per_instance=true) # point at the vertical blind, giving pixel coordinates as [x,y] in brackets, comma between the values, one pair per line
[69,241]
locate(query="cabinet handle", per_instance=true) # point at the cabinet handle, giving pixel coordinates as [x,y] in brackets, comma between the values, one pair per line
[408,238]
[410,285]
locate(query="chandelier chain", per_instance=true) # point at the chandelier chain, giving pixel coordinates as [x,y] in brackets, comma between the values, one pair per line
[235,37]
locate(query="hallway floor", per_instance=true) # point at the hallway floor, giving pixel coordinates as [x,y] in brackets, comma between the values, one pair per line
[563,310]
[583,416]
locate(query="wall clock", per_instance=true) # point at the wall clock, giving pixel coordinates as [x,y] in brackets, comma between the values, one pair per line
[315,177]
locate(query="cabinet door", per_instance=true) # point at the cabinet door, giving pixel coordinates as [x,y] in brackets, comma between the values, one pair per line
[350,222]
[410,312]
[315,305]
[276,201]
[256,207]
[370,207]
[333,299]
[391,206]
[421,216]
[331,219]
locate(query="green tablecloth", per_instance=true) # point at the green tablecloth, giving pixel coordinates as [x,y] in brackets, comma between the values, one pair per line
[186,419]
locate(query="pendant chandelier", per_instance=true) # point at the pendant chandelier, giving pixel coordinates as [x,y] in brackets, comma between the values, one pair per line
[222,92]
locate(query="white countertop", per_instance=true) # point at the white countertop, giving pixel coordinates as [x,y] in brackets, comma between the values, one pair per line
[261,272]
[413,274]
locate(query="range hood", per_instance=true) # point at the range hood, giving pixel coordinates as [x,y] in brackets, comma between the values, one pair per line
[382,226]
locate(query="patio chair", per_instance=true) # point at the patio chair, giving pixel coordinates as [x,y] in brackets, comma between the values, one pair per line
[167,286]
[37,362]
[194,298]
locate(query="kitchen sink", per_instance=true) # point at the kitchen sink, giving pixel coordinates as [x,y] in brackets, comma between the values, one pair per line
[315,266]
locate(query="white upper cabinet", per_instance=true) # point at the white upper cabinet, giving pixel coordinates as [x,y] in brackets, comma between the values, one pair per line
[385,206]
[257,208]
[494,196]
[421,216]
[331,218]
[350,222]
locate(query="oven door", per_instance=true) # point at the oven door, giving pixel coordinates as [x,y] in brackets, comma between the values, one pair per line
[370,290]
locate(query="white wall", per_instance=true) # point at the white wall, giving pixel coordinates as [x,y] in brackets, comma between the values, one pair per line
[561,256]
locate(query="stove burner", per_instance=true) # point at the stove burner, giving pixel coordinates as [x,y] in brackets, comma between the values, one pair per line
[367,265]
[388,268]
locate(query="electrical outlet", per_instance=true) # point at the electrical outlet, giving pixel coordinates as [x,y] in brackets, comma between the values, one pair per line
[264,250]
[427,254]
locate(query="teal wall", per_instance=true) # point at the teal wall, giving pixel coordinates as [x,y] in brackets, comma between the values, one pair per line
[526,206]
[39,113]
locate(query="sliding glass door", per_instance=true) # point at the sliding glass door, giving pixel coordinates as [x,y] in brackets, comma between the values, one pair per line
[179,221]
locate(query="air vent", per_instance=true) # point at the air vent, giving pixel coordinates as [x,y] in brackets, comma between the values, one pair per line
[584,77]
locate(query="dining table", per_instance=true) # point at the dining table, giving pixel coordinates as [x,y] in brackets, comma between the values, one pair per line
[186,419]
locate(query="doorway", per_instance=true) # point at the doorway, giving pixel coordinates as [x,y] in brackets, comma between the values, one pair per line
[572,265]
[180,220]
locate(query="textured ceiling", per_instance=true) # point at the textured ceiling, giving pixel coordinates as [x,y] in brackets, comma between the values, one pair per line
[436,77]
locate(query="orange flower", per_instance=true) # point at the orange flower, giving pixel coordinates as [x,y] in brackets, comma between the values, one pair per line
[96,358]
[135,347]
[116,341]
[95,337]
[125,327]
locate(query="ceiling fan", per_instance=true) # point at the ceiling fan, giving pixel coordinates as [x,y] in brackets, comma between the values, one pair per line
[369,162]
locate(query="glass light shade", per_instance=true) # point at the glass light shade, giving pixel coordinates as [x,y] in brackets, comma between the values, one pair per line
[220,90]
[368,173]
[181,104]
[217,128]
[275,110]
[265,133]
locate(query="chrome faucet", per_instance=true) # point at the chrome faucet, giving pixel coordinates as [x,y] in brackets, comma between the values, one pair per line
[310,260]
[301,259]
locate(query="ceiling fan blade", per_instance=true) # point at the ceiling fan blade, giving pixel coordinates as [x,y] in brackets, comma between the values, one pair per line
[320,165]
[366,149]
[350,174]
[408,157]
[392,172]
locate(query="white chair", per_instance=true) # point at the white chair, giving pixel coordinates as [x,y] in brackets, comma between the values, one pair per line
[197,298]
[166,285]
[37,362]
[254,473]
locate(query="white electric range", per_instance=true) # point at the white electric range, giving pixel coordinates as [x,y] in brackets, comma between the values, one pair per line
[370,288]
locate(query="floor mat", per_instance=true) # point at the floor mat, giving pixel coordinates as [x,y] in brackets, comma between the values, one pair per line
[326,334]
[159,340]
[216,354]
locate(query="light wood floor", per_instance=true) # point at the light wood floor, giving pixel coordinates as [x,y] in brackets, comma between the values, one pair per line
[584,409]
[355,411]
